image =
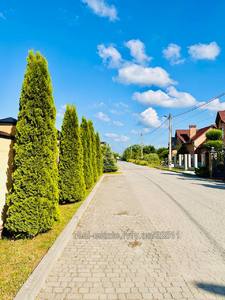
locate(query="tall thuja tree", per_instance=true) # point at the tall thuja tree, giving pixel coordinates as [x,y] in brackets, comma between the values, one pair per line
[99,155]
[86,138]
[93,150]
[71,176]
[33,200]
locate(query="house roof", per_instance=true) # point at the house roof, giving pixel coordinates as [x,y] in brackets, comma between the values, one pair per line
[184,134]
[220,115]
[8,121]
[6,135]
[201,131]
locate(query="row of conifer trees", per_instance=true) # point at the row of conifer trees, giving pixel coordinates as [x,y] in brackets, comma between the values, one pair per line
[44,176]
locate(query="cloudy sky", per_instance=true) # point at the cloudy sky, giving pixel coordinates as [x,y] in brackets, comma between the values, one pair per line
[124,64]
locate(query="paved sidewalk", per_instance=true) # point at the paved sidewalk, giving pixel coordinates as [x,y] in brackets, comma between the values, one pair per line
[127,265]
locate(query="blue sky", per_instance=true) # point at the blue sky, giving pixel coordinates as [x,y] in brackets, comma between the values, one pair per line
[125,64]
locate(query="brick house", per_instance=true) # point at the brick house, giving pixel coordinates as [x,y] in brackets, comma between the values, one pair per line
[190,140]
[220,122]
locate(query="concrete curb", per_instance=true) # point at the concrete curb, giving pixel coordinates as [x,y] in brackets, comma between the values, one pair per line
[34,283]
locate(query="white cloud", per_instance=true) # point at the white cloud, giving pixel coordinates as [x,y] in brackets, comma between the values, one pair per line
[149,118]
[102,116]
[170,98]
[118,123]
[134,131]
[145,76]
[99,104]
[115,112]
[61,111]
[2,16]
[144,130]
[137,51]
[215,105]
[121,104]
[117,137]
[110,56]
[204,51]
[134,73]
[102,9]
[172,54]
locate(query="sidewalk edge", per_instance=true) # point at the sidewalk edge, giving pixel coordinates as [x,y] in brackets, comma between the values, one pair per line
[35,281]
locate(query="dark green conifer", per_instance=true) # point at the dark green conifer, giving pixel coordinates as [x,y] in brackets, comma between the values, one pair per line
[71,175]
[93,150]
[86,139]
[33,200]
[99,155]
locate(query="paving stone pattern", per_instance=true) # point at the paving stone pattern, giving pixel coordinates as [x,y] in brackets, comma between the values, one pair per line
[127,265]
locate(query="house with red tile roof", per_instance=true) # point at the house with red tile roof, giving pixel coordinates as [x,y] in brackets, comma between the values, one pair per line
[190,141]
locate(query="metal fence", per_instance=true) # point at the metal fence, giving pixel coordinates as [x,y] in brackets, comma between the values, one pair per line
[218,164]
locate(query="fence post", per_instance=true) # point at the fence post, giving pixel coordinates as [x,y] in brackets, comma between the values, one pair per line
[180,160]
[189,161]
[196,161]
[185,161]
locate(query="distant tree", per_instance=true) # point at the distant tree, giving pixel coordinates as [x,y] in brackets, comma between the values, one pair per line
[162,153]
[132,152]
[109,163]
[149,149]
[152,159]
[116,155]
[33,200]
[99,155]
[71,176]
[127,154]
[87,163]
[93,150]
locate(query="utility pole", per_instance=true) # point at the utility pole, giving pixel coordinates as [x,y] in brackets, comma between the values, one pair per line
[141,136]
[170,142]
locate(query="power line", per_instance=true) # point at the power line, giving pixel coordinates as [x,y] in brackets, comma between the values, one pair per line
[199,106]
[186,112]
[158,127]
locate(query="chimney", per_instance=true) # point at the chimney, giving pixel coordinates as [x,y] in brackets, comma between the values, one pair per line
[192,131]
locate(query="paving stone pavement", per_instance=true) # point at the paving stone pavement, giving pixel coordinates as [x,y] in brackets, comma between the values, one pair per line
[111,257]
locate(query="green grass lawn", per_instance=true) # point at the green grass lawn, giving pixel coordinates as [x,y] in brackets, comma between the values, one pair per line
[19,258]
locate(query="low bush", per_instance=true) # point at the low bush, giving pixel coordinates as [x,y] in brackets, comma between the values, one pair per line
[217,145]
[152,158]
[214,134]
[202,172]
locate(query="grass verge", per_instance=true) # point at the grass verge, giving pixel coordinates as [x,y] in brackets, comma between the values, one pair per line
[20,257]
[175,170]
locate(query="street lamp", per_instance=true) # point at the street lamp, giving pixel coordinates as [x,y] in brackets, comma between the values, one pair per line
[213,155]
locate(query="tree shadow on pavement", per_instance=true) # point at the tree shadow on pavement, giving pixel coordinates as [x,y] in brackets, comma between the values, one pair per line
[206,182]
[211,288]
